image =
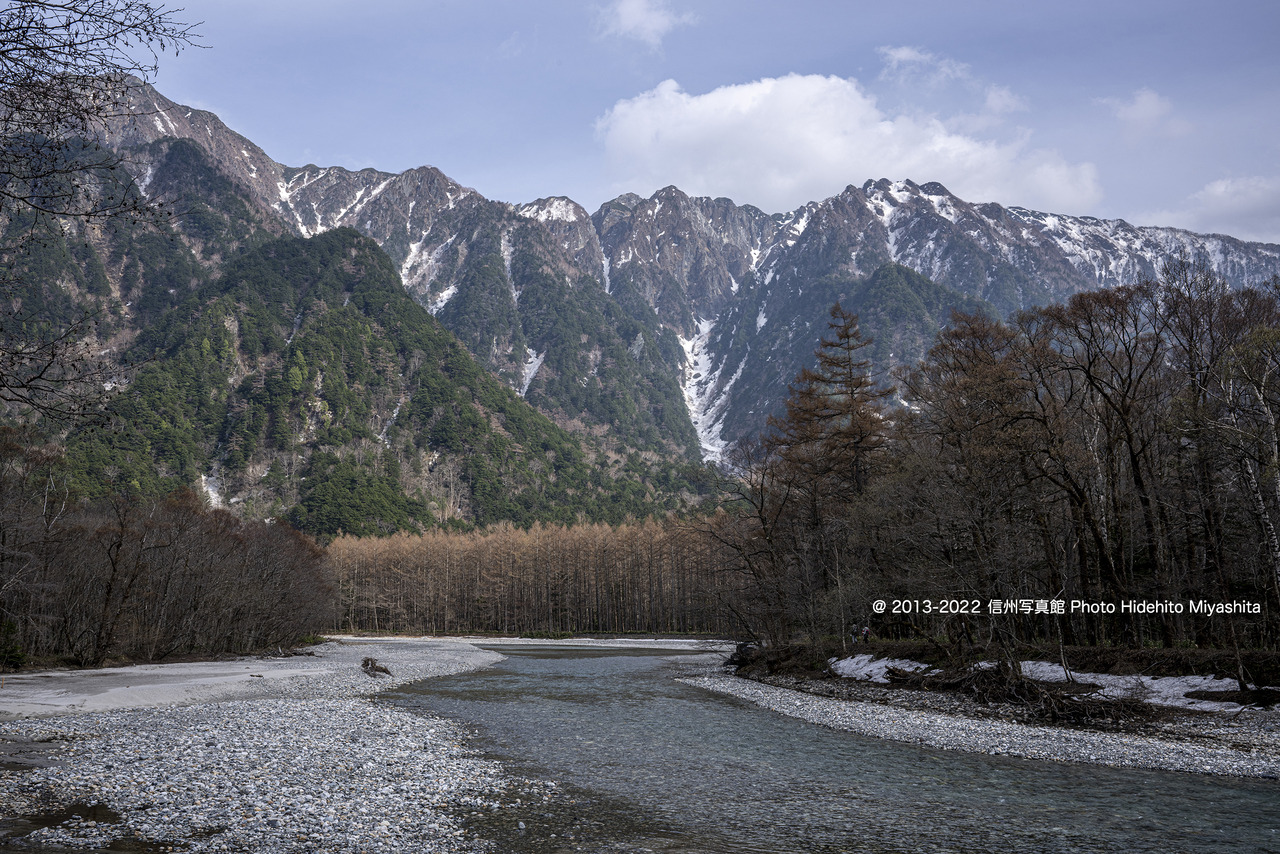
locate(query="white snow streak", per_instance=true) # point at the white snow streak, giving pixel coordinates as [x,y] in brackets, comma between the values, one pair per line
[531,365]
[212,486]
[507,252]
[705,399]
[382,437]
[442,300]
[414,259]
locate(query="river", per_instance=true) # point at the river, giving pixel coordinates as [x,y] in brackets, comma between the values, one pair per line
[644,762]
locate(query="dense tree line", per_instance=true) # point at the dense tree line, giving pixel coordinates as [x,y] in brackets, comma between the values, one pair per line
[650,576]
[146,580]
[1120,448]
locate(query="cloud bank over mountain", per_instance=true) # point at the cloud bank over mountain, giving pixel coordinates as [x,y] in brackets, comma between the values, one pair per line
[778,142]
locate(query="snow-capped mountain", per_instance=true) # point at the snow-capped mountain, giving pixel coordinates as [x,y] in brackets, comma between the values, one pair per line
[675,322]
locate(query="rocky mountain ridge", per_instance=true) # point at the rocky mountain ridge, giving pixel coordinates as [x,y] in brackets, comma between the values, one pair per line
[653,318]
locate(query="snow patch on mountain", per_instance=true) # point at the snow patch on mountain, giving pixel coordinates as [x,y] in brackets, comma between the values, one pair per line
[1111,251]
[557,208]
[507,252]
[415,251]
[424,278]
[795,227]
[704,397]
[362,201]
[287,191]
[211,485]
[382,436]
[342,213]
[943,205]
[442,300]
[453,200]
[532,362]
[888,212]
[713,445]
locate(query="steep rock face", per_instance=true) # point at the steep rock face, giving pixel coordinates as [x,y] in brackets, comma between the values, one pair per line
[151,117]
[570,226]
[653,318]
[685,257]
[749,292]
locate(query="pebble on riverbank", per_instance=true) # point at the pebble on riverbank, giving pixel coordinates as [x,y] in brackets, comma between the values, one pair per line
[1203,750]
[318,769]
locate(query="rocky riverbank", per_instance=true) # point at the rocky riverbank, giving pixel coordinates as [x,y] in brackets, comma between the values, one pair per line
[294,755]
[1241,744]
[253,760]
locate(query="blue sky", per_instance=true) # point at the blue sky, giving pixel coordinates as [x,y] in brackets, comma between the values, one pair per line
[1163,113]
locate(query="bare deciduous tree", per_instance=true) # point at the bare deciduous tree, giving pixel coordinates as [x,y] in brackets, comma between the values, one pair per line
[66,69]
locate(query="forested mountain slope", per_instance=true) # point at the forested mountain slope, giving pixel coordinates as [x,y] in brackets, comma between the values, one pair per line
[295,377]
[513,284]
[634,324]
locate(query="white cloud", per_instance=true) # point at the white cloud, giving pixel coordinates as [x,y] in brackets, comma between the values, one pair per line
[780,142]
[1247,208]
[929,77]
[912,64]
[1147,114]
[1000,100]
[644,20]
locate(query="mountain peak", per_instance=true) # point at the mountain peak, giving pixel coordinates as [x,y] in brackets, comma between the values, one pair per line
[560,208]
[506,278]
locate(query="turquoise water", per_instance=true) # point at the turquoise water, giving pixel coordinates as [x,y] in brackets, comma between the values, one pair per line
[643,762]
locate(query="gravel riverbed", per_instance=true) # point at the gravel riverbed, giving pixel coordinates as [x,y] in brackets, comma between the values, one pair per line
[310,765]
[293,755]
[1240,746]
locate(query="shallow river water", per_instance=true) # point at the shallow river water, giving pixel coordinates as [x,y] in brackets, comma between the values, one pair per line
[643,762]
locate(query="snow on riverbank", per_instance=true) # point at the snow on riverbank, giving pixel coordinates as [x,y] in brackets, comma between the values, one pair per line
[1157,690]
